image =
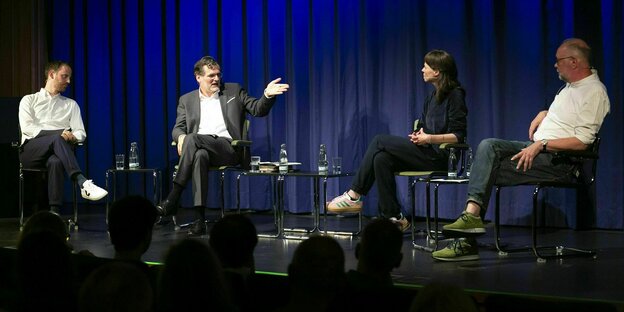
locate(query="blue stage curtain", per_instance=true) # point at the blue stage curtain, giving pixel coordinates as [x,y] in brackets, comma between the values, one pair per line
[354,68]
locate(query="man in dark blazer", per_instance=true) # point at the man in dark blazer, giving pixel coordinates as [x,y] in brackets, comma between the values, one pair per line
[207,121]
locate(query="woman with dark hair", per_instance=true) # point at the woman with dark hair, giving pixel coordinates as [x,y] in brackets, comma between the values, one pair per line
[443,120]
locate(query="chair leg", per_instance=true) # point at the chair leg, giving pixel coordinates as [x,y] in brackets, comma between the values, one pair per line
[21,199]
[534,225]
[427,218]
[559,250]
[238,209]
[222,191]
[497,240]
[412,185]
[73,222]
[497,231]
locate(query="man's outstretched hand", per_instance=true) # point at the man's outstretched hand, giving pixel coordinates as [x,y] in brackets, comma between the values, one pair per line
[274,88]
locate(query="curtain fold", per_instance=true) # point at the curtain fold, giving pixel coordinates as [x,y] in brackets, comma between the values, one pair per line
[354,70]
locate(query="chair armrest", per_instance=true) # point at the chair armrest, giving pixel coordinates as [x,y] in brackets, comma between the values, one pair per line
[579,155]
[17,144]
[235,143]
[461,146]
[241,143]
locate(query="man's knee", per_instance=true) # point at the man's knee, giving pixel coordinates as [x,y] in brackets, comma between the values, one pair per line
[190,138]
[201,156]
[54,162]
[487,145]
[58,140]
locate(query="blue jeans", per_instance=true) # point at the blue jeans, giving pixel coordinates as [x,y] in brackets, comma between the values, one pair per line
[493,166]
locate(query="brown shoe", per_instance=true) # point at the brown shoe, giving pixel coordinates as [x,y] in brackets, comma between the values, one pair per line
[402,223]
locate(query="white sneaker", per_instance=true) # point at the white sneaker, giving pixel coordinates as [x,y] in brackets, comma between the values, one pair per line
[91,191]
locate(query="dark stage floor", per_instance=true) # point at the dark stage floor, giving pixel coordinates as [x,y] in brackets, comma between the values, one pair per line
[587,279]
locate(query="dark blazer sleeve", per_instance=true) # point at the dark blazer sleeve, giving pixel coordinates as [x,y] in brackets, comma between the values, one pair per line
[185,118]
[236,103]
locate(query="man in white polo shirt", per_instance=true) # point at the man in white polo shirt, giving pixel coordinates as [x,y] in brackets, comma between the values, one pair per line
[571,123]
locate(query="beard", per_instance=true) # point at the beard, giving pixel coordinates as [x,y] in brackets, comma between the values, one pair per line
[61,87]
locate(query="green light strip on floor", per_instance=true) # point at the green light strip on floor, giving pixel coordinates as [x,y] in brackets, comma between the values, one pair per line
[271,273]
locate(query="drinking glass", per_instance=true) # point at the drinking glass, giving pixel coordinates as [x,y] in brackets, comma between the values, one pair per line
[337,165]
[120,160]
[255,163]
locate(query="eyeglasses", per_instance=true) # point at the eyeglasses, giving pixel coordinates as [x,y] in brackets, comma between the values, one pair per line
[562,58]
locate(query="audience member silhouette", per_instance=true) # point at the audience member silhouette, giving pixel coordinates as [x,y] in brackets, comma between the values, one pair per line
[44,220]
[44,272]
[130,225]
[192,280]
[378,253]
[370,286]
[116,287]
[440,297]
[316,274]
[233,239]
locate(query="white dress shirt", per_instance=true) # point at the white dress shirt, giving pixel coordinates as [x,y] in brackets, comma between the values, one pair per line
[211,121]
[41,111]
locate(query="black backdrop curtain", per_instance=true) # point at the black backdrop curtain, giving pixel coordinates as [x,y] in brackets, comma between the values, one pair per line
[354,70]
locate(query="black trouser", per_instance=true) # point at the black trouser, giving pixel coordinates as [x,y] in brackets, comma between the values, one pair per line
[387,154]
[53,153]
[198,153]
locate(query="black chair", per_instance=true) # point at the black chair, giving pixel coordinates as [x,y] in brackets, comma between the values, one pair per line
[42,172]
[426,176]
[244,146]
[429,177]
[586,162]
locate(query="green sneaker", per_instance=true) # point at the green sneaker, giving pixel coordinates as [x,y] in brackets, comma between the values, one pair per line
[466,224]
[458,250]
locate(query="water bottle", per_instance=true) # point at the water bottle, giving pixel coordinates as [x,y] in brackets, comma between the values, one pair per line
[468,162]
[322,162]
[452,164]
[283,159]
[133,158]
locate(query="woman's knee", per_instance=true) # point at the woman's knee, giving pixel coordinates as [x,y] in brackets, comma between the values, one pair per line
[382,161]
[380,138]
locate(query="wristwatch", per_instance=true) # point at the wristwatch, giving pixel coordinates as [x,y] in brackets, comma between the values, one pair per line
[544,143]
